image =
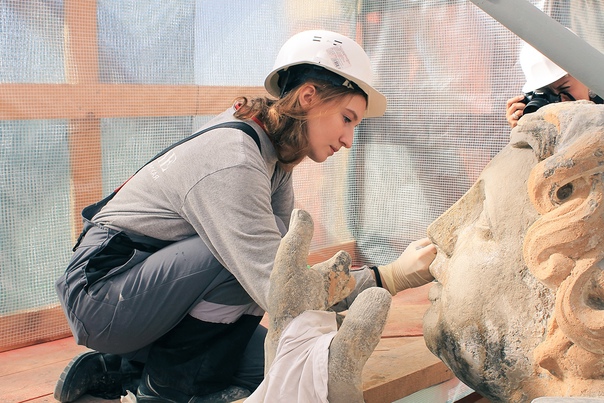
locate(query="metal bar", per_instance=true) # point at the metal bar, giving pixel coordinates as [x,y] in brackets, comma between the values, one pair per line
[551,38]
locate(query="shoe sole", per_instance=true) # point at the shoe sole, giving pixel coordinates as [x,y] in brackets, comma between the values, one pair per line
[69,395]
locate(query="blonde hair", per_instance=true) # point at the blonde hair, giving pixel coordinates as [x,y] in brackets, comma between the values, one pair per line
[285,118]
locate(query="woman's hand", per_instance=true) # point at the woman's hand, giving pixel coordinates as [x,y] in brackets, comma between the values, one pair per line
[514,110]
[411,269]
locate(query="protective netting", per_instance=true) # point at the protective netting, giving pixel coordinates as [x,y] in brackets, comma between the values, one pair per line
[91,90]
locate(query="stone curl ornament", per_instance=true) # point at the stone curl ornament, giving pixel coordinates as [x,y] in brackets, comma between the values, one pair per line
[518,308]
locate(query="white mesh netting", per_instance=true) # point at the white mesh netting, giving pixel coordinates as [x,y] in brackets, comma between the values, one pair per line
[90,90]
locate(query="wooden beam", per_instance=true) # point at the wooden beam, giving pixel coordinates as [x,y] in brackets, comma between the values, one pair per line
[81,41]
[85,101]
[323,254]
[33,327]
[400,367]
[85,150]
[82,67]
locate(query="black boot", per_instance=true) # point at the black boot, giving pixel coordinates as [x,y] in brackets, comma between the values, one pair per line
[107,376]
[195,360]
[151,392]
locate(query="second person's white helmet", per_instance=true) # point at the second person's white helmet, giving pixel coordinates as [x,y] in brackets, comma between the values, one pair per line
[334,52]
[538,70]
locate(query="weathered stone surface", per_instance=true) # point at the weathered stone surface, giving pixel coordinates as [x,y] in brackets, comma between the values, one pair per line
[353,344]
[517,312]
[295,288]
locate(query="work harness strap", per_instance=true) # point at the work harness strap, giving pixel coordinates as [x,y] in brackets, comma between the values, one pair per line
[91,210]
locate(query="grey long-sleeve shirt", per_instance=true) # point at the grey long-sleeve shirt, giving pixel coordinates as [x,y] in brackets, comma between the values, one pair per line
[220,186]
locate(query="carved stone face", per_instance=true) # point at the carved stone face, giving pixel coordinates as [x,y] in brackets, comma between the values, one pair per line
[488,313]
[492,320]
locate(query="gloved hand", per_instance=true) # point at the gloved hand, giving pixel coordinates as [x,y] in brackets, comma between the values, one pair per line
[411,268]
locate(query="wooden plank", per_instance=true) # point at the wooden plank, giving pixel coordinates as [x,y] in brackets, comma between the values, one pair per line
[407,313]
[85,153]
[81,41]
[21,387]
[32,372]
[23,359]
[399,367]
[326,253]
[33,327]
[85,101]
[82,66]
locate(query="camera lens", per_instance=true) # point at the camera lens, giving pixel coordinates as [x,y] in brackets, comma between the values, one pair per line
[539,99]
[535,104]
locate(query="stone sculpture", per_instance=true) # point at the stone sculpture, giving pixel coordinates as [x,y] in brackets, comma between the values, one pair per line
[296,289]
[517,312]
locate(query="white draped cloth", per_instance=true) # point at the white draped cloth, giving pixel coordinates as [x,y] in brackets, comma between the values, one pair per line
[299,372]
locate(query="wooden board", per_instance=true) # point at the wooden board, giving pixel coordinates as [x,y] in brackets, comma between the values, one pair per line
[400,365]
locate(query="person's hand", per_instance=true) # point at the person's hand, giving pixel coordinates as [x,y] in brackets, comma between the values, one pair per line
[411,269]
[514,110]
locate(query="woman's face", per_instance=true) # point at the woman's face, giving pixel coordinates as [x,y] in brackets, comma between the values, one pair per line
[570,85]
[332,128]
[488,311]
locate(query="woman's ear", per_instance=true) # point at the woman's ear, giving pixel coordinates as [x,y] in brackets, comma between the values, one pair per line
[306,95]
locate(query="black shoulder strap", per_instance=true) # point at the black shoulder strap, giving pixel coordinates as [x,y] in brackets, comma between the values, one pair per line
[90,211]
[233,124]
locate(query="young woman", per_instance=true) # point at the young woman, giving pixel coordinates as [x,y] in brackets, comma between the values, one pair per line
[545,77]
[170,276]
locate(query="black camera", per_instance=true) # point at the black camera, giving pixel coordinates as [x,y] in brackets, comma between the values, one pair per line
[535,100]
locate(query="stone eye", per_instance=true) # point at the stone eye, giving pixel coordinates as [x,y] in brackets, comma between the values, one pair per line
[565,192]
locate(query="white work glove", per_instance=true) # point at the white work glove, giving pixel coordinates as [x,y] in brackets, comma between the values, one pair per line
[411,269]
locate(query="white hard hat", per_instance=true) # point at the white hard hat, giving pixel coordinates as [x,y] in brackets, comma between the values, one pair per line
[538,70]
[334,52]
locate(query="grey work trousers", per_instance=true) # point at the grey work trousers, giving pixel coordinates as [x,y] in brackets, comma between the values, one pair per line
[136,302]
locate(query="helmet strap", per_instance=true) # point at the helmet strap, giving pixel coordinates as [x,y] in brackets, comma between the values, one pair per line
[293,76]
